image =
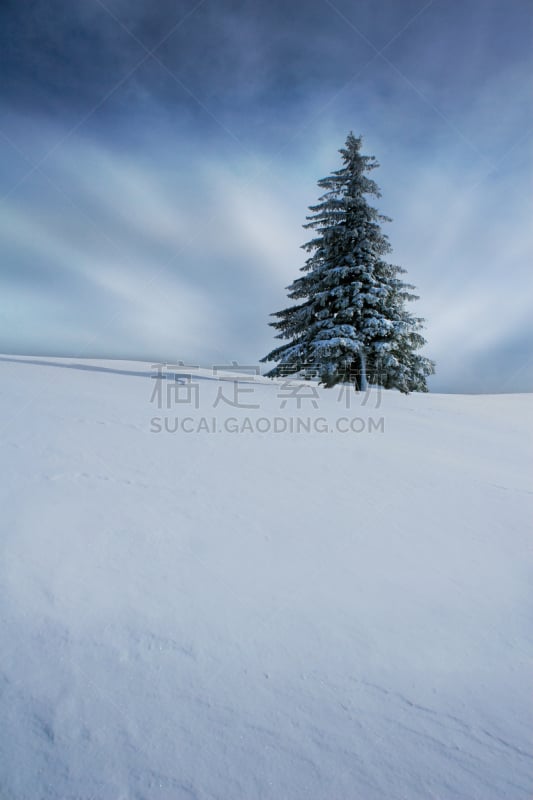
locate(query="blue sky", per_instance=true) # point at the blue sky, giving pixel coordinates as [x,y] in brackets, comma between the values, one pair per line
[156,166]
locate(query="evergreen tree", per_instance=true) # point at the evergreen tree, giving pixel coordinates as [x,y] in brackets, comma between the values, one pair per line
[352,324]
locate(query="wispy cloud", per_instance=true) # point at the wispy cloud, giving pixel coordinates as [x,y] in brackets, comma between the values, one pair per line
[151,233]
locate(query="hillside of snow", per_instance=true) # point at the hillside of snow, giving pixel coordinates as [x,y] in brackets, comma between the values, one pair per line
[220,608]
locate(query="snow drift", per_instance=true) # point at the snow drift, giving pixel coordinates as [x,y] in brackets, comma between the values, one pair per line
[339,613]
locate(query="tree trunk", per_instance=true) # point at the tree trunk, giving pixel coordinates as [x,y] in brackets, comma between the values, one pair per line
[362,378]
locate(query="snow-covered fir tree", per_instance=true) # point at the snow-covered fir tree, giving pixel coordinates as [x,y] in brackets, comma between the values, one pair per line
[352,324]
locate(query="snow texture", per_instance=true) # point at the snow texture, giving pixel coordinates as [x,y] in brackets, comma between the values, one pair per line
[309,616]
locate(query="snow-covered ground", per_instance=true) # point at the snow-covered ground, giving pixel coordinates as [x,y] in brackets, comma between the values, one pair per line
[235,614]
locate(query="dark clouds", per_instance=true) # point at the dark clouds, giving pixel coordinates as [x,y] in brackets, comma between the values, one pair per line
[252,72]
[249,57]
[152,203]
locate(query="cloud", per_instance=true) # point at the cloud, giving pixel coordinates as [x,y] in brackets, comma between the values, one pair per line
[154,233]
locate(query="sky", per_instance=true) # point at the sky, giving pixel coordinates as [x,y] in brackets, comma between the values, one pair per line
[157,161]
